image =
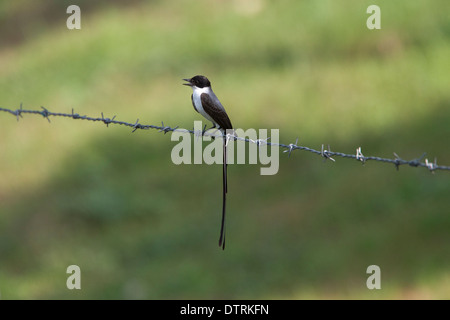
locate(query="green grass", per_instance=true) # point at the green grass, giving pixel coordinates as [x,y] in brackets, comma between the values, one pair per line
[112,202]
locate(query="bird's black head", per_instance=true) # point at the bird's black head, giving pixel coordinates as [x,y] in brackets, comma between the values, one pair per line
[198,81]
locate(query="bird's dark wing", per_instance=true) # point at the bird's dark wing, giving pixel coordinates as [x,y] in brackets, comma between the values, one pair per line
[218,114]
[192,99]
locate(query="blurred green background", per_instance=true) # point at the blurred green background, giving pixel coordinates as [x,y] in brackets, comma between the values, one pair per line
[113,203]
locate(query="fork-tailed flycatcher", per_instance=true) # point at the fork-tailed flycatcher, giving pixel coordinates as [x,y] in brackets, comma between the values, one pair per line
[208,105]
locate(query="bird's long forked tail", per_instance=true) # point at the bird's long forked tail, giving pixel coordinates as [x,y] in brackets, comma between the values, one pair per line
[224,194]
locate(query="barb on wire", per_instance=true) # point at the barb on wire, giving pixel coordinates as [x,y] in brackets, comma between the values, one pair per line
[360,156]
[165,129]
[398,161]
[260,142]
[291,147]
[45,113]
[107,121]
[18,112]
[326,153]
[431,165]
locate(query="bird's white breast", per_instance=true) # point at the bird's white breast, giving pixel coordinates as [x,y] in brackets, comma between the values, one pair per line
[197,92]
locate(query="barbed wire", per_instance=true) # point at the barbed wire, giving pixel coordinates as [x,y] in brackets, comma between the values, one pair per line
[326,153]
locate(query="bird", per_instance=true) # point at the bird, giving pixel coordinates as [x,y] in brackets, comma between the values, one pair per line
[208,105]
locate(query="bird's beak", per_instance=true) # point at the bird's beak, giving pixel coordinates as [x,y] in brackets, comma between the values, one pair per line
[188,82]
